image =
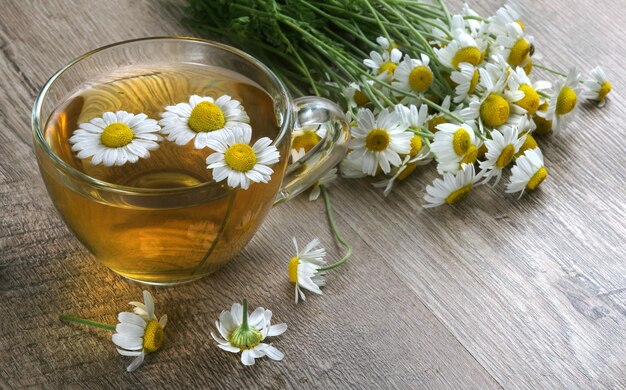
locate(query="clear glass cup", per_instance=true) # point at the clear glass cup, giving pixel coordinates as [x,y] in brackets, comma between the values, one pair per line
[168,236]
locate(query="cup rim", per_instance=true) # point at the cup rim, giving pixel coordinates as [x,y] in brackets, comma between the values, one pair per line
[128,190]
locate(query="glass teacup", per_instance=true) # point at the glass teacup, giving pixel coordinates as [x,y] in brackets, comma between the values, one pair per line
[169,234]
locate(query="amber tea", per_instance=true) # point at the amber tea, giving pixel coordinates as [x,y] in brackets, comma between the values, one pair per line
[157,239]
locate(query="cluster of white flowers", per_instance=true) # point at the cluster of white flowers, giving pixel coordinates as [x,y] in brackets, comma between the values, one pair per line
[470,103]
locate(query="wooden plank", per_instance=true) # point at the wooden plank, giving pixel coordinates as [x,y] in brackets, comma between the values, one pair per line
[368,328]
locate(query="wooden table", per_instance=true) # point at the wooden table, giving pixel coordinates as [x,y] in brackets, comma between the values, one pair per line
[491,293]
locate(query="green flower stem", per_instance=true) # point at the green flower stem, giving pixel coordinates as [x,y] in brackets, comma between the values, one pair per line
[244,323]
[551,70]
[445,11]
[84,321]
[421,132]
[377,17]
[336,233]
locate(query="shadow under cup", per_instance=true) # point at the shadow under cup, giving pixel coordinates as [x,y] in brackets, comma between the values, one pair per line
[175,235]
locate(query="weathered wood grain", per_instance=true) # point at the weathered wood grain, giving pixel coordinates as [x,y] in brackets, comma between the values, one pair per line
[490,293]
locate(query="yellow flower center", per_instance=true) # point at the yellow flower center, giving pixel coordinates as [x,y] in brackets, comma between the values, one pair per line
[470,156]
[519,52]
[537,178]
[566,101]
[360,98]
[116,135]
[461,141]
[605,88]
[420,78]
[521,24]
[388,67]
[153,336]
[416,145]
[205,117]
[410,168]
[240,157]
[494,111]
[505,157]
[458,194]
[293,269]
[543,126]
[434,122]
[529,143]
[482,151]
[530,102]
[307,140]
[528,66]
[468,54]
[473,83]
[377,140]
[245,338]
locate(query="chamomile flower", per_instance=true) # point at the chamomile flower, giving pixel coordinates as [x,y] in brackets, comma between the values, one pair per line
[511,12]
[452,188]
[463,48]
[241,332]
[598,88]
[304,269]
[201,119]
[139,333]
[325,181]
[408,166]
[514,45]
[454,145]
[116,138]
[466,80]
[384,66]
[351,168]
[234,159]
[385,44]
[528,173]
[438,118]
[501,149]
[563,106]
[378,142]
[307,137]
[531,101]
[354,95]
[495,106]
[413,75]
[411,116]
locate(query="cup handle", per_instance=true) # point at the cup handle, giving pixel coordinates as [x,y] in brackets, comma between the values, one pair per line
[325,117]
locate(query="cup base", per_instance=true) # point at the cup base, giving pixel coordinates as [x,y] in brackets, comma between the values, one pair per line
[162,283]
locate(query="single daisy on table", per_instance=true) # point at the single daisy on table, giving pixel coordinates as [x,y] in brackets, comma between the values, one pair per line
[304,269]
[501,149]
[378,142]
[139,333]
[116,138]
[531,101]
[413,75]
[201,119]
[384,66]
[528,173]
[241,332]
[598,88]
[466,80]
[454,145]
[238,162]
[563,106]
[452,188]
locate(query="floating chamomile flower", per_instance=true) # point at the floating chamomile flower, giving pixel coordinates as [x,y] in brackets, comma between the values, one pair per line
[384,66]
[454,145]
[378,142]
[531,101]
[466,80]
[452,188]
[234,159]
[413,75]
[463,48]
[201,119]
[528,173]
[244,333]
[599,88]
[562,106]
[304,269]
[354,95]
[514,45]
[116,138]
[325,181]
[495,106]
[501,149]
[139,333]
